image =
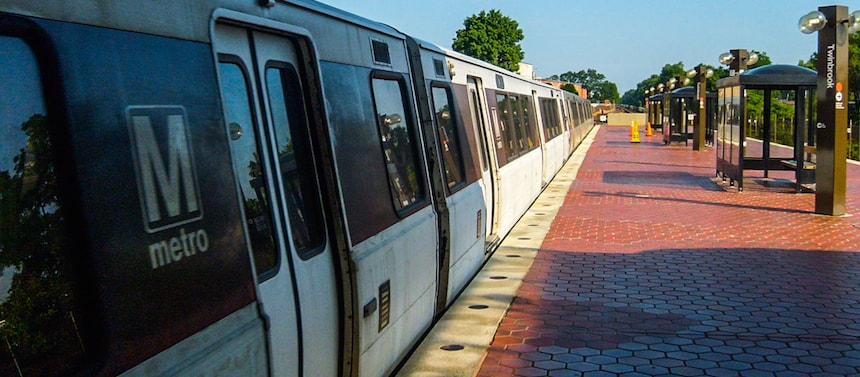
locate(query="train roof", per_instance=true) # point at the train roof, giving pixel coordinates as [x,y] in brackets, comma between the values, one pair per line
[480,63]
[184,19]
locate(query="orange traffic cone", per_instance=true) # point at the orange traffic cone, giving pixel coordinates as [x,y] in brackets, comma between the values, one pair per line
[634,132]
[648,131]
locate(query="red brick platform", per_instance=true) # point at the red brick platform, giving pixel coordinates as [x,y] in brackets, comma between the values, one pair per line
[655,267]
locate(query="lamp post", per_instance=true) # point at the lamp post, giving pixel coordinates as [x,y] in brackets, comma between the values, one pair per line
[700,75]
[647,107]
[664,113]
[833,24]
[738,60]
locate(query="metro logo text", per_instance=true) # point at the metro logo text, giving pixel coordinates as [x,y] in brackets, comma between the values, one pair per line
[166,175]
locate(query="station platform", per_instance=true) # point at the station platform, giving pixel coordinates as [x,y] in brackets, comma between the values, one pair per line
[638,261]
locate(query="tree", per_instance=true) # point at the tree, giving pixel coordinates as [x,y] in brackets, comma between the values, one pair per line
[493,38]
[38,309]
[813,59]
[570,88]
[636,97]
[599,89]
[853,82]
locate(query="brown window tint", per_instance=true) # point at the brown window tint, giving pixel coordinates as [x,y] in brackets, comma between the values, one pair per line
[295,158]
[509,120]
[528,132]
[452,160]
[549,115]
[398,143]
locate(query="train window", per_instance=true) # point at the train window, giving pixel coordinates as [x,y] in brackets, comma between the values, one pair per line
[38,326]
[519,134]
[250,174]
[549,114]
[528,132]
[478,121]
[295,158]
[398,142]
[452,160]
[504,122]
[516,115]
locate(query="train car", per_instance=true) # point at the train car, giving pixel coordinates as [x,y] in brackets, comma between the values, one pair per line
[523,138]
[452,147]
[249,188]
[579,109]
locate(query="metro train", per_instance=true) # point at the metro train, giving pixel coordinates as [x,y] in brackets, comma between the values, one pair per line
[249,188]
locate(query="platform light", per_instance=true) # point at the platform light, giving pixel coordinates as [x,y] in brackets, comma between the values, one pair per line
[738,60]
[660,87]
[700,75]
[854,23]
[812,22]
[752,59]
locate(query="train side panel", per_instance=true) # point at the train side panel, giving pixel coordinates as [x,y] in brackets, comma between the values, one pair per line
[139,154]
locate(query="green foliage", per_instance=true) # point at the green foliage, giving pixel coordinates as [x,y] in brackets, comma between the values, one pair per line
[782,112]
[636,97]
[493,38]
[570,88]
[599,89]
[854,76]
[38,308]
[853,87]
[813,59]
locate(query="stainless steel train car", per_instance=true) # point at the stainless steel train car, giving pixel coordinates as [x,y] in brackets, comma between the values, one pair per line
[248,188]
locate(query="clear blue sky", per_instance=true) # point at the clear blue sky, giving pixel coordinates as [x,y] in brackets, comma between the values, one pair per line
[626,40]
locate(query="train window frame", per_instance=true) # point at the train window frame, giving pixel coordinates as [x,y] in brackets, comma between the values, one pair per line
[256,127]
[455,125]
[309,161]
[422,192]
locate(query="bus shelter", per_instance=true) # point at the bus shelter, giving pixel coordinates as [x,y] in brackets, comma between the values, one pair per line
[683,111]
[655,111]
[765,122]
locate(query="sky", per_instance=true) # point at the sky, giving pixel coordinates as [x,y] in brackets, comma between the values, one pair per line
[626,40]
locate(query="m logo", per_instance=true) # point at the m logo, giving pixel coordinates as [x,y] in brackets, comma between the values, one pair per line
[166,175]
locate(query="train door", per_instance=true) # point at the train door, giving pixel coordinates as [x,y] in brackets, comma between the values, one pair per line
[264,106]
[565,116]
[477,103]
[542,115]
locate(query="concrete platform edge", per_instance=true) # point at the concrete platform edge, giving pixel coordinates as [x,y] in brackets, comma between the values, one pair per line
[472,320]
